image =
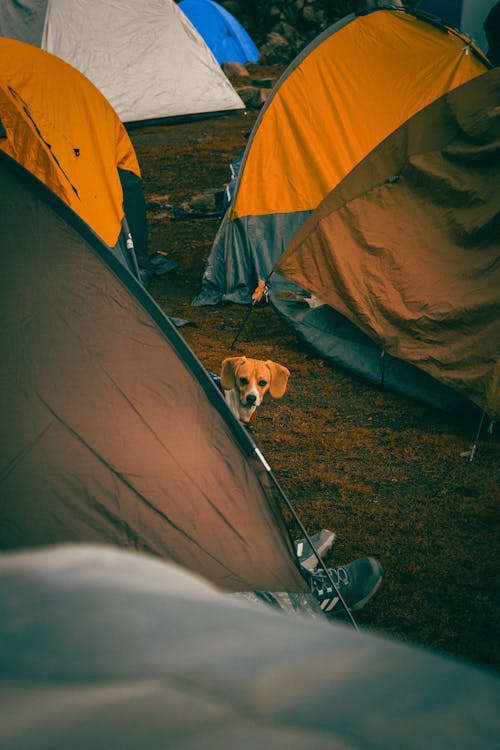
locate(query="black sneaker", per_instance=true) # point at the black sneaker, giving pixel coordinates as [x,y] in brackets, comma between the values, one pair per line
[357,582]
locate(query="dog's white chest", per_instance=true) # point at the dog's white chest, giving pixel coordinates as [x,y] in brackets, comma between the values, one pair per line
[233,401]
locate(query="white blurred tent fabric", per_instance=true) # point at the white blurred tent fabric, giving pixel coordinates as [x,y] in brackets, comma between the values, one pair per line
[103,648]
[146,58]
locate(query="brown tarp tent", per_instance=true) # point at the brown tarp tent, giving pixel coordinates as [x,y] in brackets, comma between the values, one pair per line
[407,246]
[111,429]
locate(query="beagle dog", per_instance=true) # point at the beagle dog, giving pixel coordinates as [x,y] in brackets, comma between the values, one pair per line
[245,382]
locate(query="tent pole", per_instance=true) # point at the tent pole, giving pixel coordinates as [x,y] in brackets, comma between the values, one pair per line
[262,290]
[306,536]
[382,368]
[473,449]
[242,325]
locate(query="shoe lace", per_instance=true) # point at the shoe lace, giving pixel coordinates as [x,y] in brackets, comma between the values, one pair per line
[321,583]
[340,576]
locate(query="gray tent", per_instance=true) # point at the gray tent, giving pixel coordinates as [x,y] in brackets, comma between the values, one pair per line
[111,429]
[104,648]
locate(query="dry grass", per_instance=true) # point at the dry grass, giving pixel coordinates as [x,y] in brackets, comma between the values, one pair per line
[383,471]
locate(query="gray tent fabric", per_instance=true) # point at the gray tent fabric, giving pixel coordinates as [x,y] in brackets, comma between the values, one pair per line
[233,267]
[24,21]
[338,341]
[111,429]
[106,648]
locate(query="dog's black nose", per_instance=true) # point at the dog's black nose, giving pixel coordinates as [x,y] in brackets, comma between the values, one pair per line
[251,398]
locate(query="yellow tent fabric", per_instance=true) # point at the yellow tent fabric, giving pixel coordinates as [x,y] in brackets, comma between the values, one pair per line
[62,129]
[332,109]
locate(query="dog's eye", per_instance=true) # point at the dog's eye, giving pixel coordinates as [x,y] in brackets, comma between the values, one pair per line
[262,383]
[243,381]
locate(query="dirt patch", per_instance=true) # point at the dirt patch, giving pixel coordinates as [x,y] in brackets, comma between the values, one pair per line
[383,471]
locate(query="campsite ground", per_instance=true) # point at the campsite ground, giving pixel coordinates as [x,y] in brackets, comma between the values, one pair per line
[384,472]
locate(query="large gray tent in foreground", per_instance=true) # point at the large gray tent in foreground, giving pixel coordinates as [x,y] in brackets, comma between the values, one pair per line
[111,429]
[104,648]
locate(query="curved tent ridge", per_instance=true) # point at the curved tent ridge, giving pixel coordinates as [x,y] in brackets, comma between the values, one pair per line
[144,655]
[346,94]
[465,15]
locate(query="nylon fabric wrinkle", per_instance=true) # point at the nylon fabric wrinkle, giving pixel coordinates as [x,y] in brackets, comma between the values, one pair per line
[94,522]
[427,38]
[157,511]
[155,37]
[62,132]
[129,484]
[25,451]
[103,461]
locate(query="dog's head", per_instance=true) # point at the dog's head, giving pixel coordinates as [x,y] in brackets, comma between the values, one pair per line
[245,382]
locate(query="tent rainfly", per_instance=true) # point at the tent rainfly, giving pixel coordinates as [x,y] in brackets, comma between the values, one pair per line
[146,58]
[112,431]
[348,90]
[402,258]
[223,33]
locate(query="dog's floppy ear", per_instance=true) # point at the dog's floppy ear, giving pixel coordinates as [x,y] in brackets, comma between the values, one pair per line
[228,372]
[279,379]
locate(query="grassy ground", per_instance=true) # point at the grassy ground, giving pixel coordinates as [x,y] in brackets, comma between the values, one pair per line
[384,472]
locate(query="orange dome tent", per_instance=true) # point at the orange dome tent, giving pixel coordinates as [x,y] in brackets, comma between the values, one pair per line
[349,89]
[59,126]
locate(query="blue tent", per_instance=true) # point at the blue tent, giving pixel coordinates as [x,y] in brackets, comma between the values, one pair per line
[223,34]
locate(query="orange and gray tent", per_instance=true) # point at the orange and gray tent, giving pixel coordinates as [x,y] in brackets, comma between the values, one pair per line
[347,91]
[61,128]
[111,430]
[105,648]
[402,258]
